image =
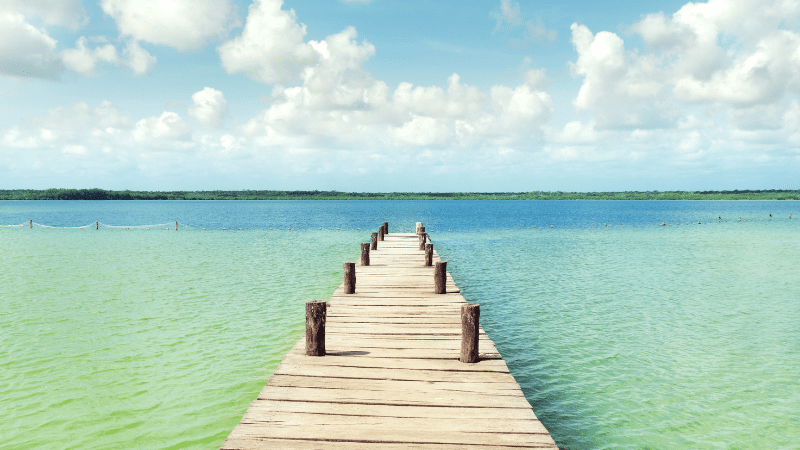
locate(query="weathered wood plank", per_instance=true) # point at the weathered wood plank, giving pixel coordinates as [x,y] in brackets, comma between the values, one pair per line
[391,378]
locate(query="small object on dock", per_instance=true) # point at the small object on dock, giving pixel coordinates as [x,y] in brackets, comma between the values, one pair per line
[373,239]
[440,278]
[365,254]
[423,237]
[349,278]
[428,255]
[316,315]
[470,330]
[385,227]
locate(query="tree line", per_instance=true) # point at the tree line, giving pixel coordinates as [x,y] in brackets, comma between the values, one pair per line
[103,194]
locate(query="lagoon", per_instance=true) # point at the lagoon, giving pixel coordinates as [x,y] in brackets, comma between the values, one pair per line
[642,336]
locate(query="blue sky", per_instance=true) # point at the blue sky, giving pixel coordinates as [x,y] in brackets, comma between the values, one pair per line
[399,96]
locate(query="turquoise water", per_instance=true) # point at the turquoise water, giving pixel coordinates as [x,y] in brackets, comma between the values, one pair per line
[149,339]
[660,338]
[629,337]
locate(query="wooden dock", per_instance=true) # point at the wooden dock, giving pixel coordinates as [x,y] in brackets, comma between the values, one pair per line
[392,378]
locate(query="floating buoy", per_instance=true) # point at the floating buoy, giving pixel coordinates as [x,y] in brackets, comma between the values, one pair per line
[224,229]
[240,229]
[551,226]
[204,228]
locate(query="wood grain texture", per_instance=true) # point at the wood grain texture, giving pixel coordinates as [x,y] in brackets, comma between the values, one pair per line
[391,378]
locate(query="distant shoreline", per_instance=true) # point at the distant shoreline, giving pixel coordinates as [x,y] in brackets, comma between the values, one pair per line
[102,194]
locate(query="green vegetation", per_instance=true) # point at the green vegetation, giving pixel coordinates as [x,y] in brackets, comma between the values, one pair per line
[101,194]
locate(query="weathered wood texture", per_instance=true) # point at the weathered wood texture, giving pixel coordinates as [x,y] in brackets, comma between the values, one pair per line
[392,378]
[315,327]
[365,254]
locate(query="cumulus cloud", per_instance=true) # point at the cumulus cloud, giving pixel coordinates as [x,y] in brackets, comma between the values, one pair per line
[338,104]
[722,52]
[181,24]
[26,51]
[68,13]
[138,59]
[271,47]
[82,58]
[168,126]
[209,107]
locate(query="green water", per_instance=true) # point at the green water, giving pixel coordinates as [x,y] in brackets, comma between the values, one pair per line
[642,338]
[149,339]
[658,338]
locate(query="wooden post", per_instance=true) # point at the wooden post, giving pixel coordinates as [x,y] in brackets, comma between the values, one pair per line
[428,255]
[440,277]
[176,225]
[385,227]
[365,254]
[422,240]
[31,223]
[373,239]
[419,224]
[316,315]
[380,233]
[349,278]
[421,230]
[97,225]
[470,328]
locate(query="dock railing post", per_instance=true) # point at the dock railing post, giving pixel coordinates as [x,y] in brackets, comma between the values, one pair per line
[349,278]
[385,227]
[440,277]
[422,240]
[365,254]
[428,255]
[470,328]
[419,224]
[316,315]
[380,233]
[373,239]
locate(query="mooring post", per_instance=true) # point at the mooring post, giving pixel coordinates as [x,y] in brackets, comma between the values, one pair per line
[419,224]
[373,239]
[316,315]
[385,227]
[97,225]
[31,223]
[365,254]
[380,233]
[422,240]
[440,277]
[349,278]
[421,230]
[176,225]
[428,255]
[470,326]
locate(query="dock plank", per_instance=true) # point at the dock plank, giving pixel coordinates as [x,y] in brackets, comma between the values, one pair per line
[391,378]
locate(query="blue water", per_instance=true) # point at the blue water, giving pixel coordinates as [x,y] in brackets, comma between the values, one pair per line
[458,215]
[622,333]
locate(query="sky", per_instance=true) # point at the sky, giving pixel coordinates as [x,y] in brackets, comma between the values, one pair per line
[399,96]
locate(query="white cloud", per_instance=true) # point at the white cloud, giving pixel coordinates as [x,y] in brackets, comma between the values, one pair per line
[730,53]
[168,126]
[181,24]
[26,51]
[271,47]
[209,107]
[83,59]
[137,58]
[68,13]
